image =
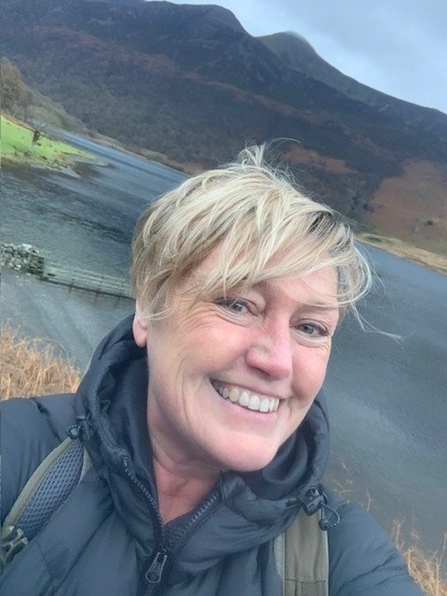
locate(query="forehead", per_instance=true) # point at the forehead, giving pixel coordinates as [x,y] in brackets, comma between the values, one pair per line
[318,287]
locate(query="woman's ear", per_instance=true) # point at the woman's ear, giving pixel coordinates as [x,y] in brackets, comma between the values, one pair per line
[139,328]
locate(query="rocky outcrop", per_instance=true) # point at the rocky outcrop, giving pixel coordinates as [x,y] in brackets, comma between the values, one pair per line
[22,257]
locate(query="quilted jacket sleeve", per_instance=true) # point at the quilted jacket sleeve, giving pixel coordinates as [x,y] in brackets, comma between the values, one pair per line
[363,561]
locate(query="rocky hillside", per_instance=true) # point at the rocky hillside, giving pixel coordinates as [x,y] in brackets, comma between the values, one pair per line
[190,83]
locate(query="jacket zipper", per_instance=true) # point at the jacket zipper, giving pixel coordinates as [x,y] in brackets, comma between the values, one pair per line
[154,574]
[155,571]
[156,568]
[159,569]
[162,563]
[159,566]
[199,514]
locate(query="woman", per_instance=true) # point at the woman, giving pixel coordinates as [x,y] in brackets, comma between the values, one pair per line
[203,415]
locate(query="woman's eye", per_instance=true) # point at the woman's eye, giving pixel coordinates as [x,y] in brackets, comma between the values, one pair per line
[237,306]
[313,329]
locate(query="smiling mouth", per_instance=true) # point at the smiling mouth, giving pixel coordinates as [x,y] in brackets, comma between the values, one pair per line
[246,399]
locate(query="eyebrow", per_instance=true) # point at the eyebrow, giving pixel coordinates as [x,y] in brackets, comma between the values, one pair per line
[320,306]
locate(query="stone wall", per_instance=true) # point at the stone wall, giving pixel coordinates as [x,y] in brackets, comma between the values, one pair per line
[27,259]
[22,257]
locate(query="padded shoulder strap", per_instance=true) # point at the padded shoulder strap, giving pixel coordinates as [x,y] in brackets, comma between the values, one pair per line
[47,490]
[302,557]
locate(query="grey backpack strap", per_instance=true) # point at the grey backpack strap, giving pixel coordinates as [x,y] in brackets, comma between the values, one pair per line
[302,557]
[44,493]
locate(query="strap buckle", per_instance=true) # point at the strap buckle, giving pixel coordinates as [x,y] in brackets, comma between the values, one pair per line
[13,541]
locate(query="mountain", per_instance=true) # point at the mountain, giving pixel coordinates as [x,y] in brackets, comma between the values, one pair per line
[297,53]
[190,83]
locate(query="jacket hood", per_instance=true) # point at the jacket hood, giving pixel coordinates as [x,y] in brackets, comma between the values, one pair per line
[252,507]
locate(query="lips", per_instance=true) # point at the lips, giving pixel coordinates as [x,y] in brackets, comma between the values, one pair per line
[247,399]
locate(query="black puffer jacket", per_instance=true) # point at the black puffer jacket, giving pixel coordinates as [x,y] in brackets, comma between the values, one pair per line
[108,533]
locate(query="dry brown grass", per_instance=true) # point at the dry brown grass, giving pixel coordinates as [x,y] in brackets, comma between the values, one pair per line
[30,367]
[426,569]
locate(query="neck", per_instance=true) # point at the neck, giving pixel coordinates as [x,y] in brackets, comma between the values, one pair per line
[180,491]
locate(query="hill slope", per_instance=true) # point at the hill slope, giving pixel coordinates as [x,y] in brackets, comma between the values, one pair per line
[189,82]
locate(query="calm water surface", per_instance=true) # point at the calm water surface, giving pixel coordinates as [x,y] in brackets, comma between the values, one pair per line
[387,386]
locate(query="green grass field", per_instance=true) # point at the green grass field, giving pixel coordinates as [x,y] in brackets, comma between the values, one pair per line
[19,143]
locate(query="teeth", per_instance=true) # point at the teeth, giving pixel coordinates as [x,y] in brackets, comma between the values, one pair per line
[234,395]
[265,405]
[244,399]
[252,401]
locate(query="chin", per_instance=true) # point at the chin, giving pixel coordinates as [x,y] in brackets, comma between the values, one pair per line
[250,461]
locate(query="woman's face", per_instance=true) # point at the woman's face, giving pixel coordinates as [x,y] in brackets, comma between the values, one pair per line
[232,378]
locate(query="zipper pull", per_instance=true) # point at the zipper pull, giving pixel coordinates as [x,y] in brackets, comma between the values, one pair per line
[155,571]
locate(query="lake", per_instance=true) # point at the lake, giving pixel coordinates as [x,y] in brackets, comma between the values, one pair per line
[386,384]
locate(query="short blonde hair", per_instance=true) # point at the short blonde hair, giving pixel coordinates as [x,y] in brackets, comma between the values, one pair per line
[265,228]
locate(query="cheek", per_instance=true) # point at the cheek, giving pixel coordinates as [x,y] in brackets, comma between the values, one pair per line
[310,372]
[213,339]
[190,350]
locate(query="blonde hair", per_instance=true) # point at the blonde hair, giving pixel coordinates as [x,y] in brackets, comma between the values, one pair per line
[265,228]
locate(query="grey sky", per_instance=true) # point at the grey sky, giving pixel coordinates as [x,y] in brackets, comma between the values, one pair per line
[395,46]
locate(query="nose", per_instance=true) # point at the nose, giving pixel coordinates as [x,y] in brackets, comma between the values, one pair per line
[271,351]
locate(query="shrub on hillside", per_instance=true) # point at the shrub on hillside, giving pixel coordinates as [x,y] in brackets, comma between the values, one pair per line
[16,97]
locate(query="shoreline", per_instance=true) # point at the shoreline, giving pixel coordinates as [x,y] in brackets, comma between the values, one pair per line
[408,252]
